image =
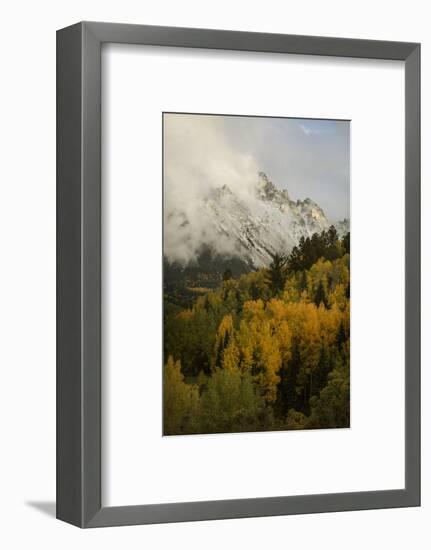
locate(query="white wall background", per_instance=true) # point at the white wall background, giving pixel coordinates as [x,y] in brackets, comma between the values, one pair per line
[27,289]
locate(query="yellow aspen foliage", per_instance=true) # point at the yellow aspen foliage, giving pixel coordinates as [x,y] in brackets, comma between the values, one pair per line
[258,343]
[180,400]
[185,314]
[255,355]
[284,336]
[231,356]
[246,339]
[329,323]
[319,272]
[305,297]
[291,291]
[224,333]
[276,310]
[226,326]
[223,337]
[253,310]
[338,297]
[214,300]
[270,361]
[340,272]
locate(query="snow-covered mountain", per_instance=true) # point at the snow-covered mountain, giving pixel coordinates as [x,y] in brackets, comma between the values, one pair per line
[252,226]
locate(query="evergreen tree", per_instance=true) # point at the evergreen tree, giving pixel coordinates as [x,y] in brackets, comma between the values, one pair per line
[295,261]
[268,350]
[277,273]
[341,336]
[287,396]
[332,236]
[347,291]
[322,370]
[346,242]
[320,295]
[227,275]
[302,281]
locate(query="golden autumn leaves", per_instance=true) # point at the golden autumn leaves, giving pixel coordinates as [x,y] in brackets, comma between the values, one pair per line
[246,358]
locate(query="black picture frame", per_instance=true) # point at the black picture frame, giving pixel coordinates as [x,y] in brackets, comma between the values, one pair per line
[79,273]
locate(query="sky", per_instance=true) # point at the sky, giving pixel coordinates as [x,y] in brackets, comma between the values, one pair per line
[308,157]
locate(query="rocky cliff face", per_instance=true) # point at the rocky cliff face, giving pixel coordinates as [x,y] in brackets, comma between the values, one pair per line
[251,227]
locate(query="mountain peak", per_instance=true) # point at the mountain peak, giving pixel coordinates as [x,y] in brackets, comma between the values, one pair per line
[250,229]
[266,190]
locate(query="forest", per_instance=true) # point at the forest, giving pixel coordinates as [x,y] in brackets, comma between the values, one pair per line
[267,350]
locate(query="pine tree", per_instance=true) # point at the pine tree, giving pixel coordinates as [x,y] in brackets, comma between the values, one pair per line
[277,273]
[302,281]
[346,242]
[320,296]
[227,275]
[287,396]
[341,336]
[322,370]
[347,291]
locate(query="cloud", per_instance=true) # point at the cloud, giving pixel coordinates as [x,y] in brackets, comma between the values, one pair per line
[309,158]
[309,130]
[197,159]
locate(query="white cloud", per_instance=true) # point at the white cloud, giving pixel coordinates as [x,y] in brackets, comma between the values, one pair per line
[309,158]
[198,158]
[308,130]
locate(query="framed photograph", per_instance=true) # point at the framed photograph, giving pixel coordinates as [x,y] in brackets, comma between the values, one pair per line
[256,284]
[238,274]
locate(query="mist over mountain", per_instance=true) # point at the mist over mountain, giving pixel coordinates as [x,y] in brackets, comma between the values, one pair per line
[235,187]
[250,226]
